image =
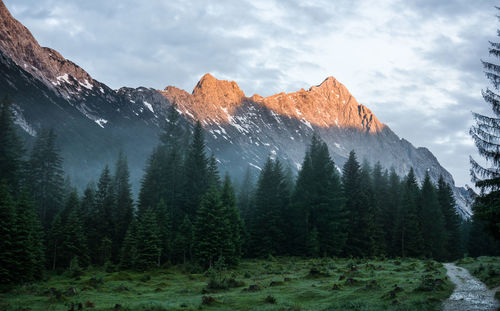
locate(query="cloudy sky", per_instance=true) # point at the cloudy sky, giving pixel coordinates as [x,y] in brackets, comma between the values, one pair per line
[416,64]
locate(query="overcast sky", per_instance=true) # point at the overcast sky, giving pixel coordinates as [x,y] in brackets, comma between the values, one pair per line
[415,64]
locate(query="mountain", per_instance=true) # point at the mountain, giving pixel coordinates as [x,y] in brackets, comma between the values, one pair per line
[94,122]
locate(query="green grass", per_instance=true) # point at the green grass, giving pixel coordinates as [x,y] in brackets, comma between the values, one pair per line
[487,269]
[281,284]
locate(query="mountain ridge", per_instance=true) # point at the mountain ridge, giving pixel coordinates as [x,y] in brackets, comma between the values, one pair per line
[94,122]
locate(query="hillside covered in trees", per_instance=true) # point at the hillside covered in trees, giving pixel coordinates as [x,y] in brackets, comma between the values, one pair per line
[187,213]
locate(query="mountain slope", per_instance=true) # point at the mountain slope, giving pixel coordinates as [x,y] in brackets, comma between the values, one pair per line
[93,121]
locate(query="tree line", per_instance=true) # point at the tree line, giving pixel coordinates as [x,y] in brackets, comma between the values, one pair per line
[187,213]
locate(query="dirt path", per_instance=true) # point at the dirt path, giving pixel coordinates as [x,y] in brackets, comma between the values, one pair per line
[470,293]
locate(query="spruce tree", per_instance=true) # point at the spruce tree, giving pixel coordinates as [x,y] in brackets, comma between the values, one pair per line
[74,243]
[184,239]
[11,149]
[390,209]
[234,225]
[164,231]
[124,209]
[196,173]
[432,221]
[486,136]
[266,222]
[319,219]
[46,177]
[8,234]
[380,186]
[451,219]
[28,247]
[245,194]
[148,242]
[128,253]
[407,233]
[209,229]
[104,221]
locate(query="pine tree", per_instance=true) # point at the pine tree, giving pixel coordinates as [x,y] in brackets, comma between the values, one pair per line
[213,178]
[184,239]
[11,149]
[153,184]
[74,243]
[432,221]
[245,194]
[103,222]
[7,234]
[196,173]
[124,209]
[318,211]
[351,180]
[129,247]
[28,247]
[88,214]
[451,220]
[234,225]
[407,233]
[55,238]
[368,226]
[164,231]
[148,242]
[266,222]
[209,229]
[46,177]
[486,136]
[390,209]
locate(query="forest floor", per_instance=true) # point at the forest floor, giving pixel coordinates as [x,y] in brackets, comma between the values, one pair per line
[272,284]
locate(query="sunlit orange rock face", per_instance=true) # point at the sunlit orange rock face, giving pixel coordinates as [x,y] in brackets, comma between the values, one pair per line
[327,105]
[44,63]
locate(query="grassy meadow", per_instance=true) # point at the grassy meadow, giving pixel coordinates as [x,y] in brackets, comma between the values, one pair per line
[487,269]
[272,284]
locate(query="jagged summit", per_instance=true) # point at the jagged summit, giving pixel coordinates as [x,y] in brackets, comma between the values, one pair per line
[48,65]
[326,105]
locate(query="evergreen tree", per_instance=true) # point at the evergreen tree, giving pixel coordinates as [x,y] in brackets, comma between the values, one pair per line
[391,209]
[7,234]
[196,171]
[432,221]
[446,200]
[124,209]
[266,222]
[245,194]
[148,242]
[184,239]
[486,136]
[46,177]
[104,222]
[28,247]
[233,224]
[407,233]
[368,228]
[213,178]
[209,229]
[129,247]
[319,219]
[380,184]
[54,241]
[164,231]
[11,149]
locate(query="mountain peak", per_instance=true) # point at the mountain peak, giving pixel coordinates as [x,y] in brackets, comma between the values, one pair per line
[46,64]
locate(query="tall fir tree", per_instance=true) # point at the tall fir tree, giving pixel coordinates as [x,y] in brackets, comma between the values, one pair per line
[104,221]
[164,231]
[266,222]
[245,194]
[486,136]
[124,208]
[209,229]
[380,185]
[8,235]
[128,253]
[432,221]
[148,248]
[46,176]
[184,240]
[11,149]
[28,247]
[453,246]
[390,210]
[407,233]
[234,232]
[318,216]
[195,173]
[74,241]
